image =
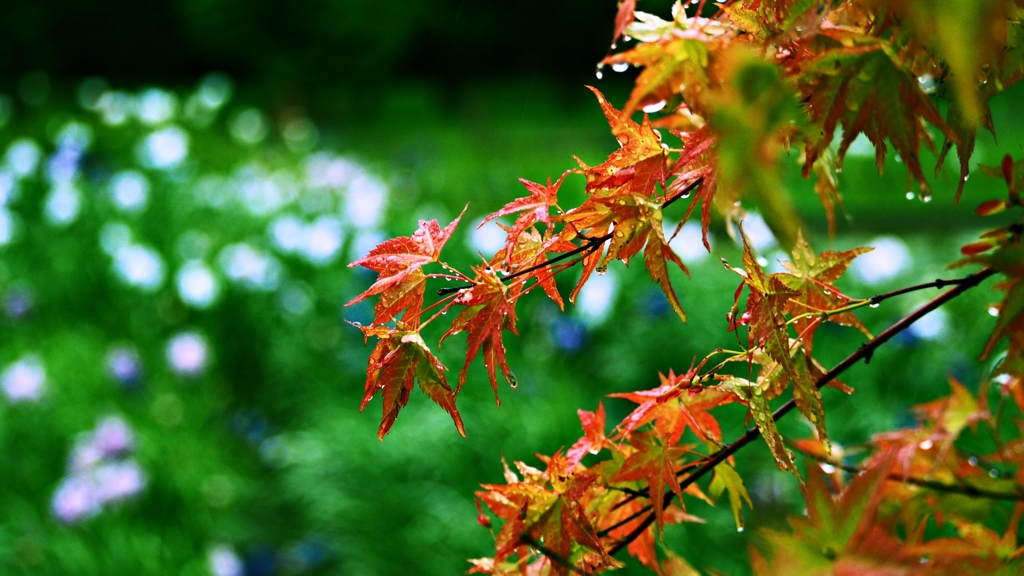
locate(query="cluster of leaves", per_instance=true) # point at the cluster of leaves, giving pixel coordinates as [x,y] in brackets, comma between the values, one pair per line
[737,84]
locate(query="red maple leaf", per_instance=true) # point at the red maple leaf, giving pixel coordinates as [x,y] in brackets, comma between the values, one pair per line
[400,358]
[489,310]
[534,208]
[395,259]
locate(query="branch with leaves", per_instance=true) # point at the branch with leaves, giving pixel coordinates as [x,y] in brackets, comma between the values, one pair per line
[724,90]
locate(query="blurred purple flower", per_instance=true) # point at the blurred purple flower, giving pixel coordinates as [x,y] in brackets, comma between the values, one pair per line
[124,365]
[75,500]
[24,380]
[113,436]
[118,481]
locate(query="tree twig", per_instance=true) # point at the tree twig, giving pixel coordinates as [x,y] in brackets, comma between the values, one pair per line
[966,489]
[863,353]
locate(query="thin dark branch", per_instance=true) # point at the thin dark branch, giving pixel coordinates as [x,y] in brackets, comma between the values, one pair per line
[863,353]
[590,244]
[938,283]
[551,554]
[684,193]
[966,489]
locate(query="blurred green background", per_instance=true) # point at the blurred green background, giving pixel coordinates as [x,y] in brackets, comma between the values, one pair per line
[181,187]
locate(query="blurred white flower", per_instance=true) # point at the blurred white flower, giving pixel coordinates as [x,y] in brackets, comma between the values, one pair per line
[364,201]
[197,285]
[187,353]
[140,266]
[322,240]
[286,232]
[62,204]
[8,187]
[596,298]
[224,562]
[363,242]
[487,239]
[250,267]
[326,171]
[757,232]
[23,157]
[889,257]
[130,191]
[8,226]
[689,243]
[156,106]
[24,380]
[164,149]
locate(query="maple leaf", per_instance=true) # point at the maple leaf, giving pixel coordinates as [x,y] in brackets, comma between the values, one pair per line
[812,277]
[653,461]
[675,406]
[593,439]
[548,514]
[724,480]
[632,222]
[399,358]
[764,315]
[623,18]
[640,162]
[489,310]
[395,261]
[528,259]
[535,208]
[753,396]
[862,85]
[840,535]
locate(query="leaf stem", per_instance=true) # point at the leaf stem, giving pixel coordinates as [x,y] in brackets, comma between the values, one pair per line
[864,352]
[590,244]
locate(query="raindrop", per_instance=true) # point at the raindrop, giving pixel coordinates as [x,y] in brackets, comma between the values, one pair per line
[443,312]
[602,270]
[656,107]
[512,380]
[993,473]
[599,75]
[620,66]
[839,169]
[925,196]
[910,195]
[874,305]
[928,83]
[972,461]
[739,528]
[993,311]
[926,445]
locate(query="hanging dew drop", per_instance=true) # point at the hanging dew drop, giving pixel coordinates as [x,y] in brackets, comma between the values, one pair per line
[512,380]
[740,528]
[599,75]
[910,195]
[656,107]
[925,196]
[620,67]
[874,305]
